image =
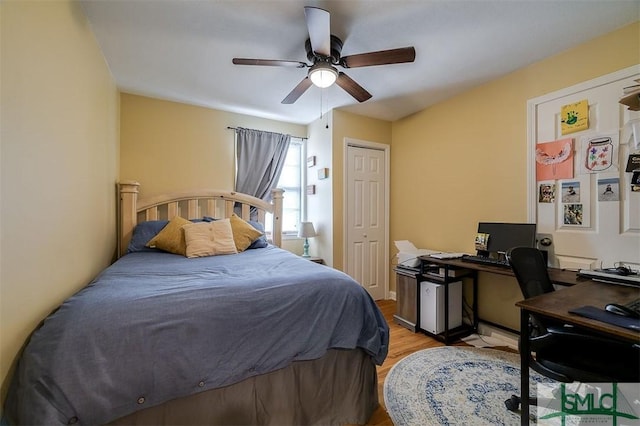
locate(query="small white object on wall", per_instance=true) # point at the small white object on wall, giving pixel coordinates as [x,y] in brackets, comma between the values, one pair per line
[323,173]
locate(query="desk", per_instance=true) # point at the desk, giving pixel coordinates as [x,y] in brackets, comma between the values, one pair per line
[557,305]
[558,276]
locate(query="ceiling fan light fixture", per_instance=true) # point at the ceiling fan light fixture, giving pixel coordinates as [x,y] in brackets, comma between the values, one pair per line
[322,74]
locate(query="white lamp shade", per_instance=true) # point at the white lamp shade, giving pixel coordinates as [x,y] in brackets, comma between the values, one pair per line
[306,230]
[323,75]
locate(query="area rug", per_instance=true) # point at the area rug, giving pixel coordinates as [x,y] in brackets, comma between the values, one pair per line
[454,386]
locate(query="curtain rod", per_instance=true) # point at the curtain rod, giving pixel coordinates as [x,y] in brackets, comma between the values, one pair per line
[297,137]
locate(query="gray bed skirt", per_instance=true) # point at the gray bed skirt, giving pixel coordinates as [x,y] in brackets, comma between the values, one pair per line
[339,388]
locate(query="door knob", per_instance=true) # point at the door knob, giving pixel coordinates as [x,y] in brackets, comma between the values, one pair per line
[546,241]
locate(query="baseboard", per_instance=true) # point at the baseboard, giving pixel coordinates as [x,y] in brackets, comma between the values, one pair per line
[509,339]
[392,295]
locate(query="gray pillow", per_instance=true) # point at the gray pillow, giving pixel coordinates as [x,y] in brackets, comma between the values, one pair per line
[143,233]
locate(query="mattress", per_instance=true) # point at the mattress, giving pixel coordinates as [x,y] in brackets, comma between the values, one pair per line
[155,326]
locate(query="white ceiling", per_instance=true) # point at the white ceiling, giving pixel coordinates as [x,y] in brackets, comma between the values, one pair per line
[181,50]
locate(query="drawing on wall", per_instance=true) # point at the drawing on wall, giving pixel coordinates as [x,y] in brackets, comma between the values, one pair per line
[573,214]
[609,189]
[574,117]
[599,153]
[554,160]
[570,192]
[547,193]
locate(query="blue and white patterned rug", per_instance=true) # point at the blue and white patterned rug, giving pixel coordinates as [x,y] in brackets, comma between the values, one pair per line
[454,386]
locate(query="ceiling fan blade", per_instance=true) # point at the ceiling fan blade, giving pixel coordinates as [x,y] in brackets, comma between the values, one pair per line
[352,88]
[269,62]
[297,91]
[318,23]
[382,57]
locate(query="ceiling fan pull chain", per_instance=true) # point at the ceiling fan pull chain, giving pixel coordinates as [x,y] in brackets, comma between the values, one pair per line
[323,102]
[326,114]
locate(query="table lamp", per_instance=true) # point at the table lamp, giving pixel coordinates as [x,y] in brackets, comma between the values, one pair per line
[306,231]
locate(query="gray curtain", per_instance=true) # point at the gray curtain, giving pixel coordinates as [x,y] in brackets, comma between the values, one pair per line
[260,158]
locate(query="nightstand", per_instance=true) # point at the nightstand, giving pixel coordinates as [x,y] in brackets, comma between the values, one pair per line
[315,259]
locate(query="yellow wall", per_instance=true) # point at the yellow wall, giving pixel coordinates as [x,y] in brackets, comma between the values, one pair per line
[464,160]
[59,163]
[169,146]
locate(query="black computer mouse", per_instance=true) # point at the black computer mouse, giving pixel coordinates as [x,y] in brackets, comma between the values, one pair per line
[622,310]
[618,270]
[623,270]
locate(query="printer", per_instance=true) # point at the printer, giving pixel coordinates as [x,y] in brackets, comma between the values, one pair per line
[408,254]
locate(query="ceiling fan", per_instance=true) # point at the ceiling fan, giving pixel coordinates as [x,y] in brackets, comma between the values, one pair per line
[323,51]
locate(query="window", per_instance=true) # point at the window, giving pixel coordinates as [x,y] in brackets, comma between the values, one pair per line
[292,181]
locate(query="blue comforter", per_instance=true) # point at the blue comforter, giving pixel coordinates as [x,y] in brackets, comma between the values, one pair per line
[156,326]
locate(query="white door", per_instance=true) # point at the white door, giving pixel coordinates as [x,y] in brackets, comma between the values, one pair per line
[594,218]
[365,218]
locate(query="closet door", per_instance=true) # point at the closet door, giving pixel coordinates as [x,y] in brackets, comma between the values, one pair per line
[586,203]
[366,218]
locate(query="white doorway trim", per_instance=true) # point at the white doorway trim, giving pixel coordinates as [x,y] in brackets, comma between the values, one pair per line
[347,142]
[532,105]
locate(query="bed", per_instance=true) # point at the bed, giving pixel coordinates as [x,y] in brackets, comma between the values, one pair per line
[261,336]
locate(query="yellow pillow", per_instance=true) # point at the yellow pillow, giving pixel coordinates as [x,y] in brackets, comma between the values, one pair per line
[243,233]
[209,238]
[171,238]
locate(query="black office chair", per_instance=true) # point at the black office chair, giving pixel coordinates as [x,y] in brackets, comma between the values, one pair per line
[563,352]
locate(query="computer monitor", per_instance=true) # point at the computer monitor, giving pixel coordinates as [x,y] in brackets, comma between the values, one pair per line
[494,239]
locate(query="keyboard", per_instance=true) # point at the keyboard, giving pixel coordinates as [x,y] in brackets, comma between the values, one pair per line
[446,255]
[503,263]
[608,277]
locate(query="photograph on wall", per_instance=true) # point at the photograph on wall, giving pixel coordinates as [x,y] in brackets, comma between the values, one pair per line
[572,214]
[599,153]
[635,182]
[609,189]
[635,178]
[554,160]
[570,192]
[547,193]
[633,163]
[574,117]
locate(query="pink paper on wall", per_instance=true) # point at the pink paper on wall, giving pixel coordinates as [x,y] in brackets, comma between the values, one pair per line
[554,160]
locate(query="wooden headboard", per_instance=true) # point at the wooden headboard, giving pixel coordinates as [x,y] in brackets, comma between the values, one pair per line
[191,205]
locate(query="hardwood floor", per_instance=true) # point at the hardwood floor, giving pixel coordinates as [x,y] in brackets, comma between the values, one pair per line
[402,342]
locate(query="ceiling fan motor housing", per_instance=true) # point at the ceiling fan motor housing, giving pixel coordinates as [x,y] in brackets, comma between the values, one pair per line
[336,50]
